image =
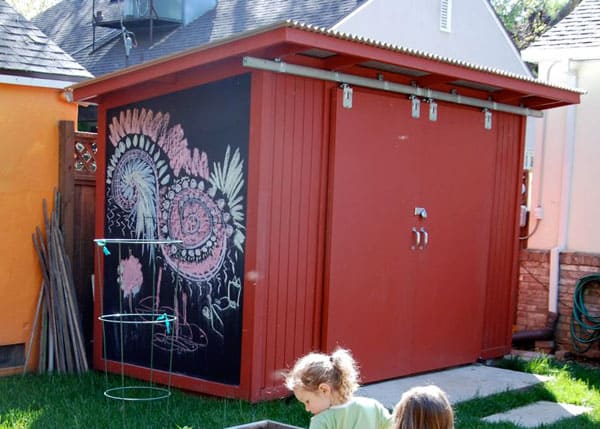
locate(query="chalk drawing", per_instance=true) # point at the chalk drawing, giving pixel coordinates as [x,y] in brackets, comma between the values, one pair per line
[157,187]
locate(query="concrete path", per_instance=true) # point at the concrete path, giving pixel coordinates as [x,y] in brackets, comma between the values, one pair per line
[469,382]
[461,384]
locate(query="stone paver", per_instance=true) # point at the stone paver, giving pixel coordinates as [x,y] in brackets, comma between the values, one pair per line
[533,415]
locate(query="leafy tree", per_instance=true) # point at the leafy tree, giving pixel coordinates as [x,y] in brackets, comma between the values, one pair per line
[30,8]
[525,20]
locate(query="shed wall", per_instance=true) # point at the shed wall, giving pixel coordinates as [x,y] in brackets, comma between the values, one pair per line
[286,217]
[290,172]
[502,274]
[186,81]
[285,229]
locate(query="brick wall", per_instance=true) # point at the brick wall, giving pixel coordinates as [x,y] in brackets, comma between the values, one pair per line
[532,299]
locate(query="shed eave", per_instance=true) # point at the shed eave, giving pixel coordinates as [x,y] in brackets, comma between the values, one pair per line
[204,54]
[290,41]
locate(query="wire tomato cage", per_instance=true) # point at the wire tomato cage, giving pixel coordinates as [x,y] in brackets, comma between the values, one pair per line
[138,330]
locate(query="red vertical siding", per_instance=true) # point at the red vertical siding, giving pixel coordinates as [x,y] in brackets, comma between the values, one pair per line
[503,250]
[289,212]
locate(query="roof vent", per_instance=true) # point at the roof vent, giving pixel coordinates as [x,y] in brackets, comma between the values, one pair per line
[445,15]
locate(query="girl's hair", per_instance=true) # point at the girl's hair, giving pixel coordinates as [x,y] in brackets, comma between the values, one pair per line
[424,407]
[338,370]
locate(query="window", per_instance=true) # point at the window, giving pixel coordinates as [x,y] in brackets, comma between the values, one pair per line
[445,15]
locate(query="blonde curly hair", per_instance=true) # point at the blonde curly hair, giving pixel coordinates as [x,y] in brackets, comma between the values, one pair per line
[339,370]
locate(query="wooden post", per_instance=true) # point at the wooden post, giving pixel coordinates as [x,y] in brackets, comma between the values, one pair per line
[66,182]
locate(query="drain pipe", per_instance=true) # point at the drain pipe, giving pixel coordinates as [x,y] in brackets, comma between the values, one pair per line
[565,197]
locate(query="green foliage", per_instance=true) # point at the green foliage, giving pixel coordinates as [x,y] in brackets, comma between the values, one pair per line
[29,8]
[525,20]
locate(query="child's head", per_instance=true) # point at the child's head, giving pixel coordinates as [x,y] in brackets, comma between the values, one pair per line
[319,380]
[424,407]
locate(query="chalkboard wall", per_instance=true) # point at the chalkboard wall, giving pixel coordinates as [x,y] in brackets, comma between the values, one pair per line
[176,169]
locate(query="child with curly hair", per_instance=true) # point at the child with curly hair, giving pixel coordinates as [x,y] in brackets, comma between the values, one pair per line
[325,384]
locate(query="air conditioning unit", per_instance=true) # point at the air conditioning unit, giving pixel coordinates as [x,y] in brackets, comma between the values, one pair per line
[136,8]
[141,9]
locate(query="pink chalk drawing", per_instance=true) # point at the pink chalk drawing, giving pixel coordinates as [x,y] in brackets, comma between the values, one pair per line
[170,139]
[158,188]
[189,213]
[130,278]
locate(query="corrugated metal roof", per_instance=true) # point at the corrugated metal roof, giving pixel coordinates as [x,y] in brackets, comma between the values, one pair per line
[298,39]
[414,52]
[25,50]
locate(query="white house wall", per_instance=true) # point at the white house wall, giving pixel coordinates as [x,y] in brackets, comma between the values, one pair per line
[475,36]
[584,222]
[582,198]
[547,179]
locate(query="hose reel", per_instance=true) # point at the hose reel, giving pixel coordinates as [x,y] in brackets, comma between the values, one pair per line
[585,323]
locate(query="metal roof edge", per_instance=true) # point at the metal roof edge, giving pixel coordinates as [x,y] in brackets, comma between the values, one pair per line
[293,24]
[426,55]
[167,58]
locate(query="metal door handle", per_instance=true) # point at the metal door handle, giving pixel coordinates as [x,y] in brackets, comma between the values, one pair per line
[417,238]
[425,238]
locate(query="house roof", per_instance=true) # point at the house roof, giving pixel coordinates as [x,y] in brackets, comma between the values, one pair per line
[579,29]
[26,51]
[69,23]
[327,50]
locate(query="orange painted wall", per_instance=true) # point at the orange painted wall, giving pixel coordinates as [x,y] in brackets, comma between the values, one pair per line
[28,173]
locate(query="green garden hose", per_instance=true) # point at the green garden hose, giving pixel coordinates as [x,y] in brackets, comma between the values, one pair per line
[585,327]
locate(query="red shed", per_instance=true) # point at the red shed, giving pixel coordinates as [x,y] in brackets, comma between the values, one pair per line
[328,190]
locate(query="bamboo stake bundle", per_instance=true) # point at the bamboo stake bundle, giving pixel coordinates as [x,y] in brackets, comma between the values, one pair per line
[61,341]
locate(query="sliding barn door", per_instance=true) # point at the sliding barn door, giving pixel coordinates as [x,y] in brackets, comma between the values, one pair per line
[409,217]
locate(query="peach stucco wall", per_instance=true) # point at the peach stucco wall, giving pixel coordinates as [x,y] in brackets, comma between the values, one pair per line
[28,174]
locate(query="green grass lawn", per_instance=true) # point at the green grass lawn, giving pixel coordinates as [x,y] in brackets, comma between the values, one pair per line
[70,401]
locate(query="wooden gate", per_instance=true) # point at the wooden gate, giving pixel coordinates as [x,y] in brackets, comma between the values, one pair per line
[77,184]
